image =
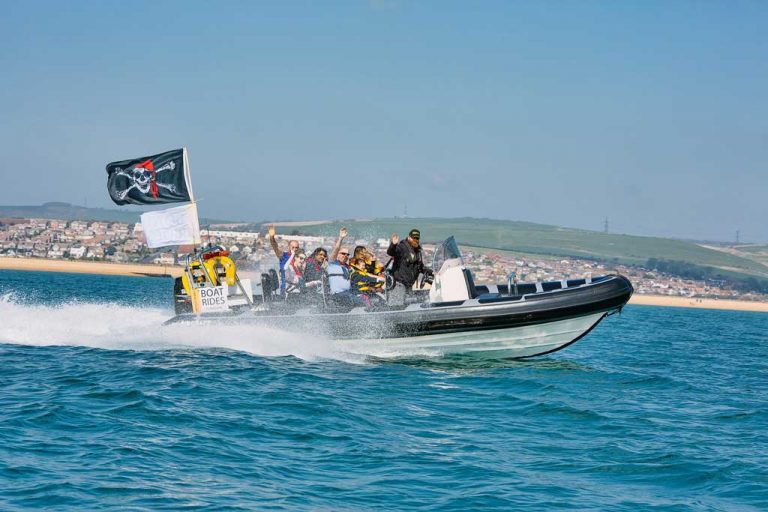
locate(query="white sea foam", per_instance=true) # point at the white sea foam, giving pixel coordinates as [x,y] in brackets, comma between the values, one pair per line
[120,327]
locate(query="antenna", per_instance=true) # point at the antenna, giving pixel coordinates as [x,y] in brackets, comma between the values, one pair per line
[737,236]
[605,225]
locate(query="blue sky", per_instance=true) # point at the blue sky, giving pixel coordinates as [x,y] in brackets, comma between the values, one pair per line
[652,114]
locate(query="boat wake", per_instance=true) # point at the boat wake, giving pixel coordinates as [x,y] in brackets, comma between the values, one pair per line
[121,327]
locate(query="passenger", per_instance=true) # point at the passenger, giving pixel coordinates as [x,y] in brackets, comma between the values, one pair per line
[371,265]
[282,257]
[337,246]
[339,274]
[364,285]
[359,253]
[294,272]
[314,271]
[407,265]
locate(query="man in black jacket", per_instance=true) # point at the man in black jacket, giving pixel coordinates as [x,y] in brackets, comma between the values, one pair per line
[407,265]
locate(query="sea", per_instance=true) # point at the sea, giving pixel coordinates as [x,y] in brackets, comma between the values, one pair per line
[103,408]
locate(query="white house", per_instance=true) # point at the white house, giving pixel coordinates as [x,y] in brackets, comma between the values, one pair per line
[165,258]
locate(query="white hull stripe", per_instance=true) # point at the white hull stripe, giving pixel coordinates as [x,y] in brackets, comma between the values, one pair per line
[523,341]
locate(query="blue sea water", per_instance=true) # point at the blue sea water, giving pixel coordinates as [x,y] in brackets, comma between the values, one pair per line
[102,408]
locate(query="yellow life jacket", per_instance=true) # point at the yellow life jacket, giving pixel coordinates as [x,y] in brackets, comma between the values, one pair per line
[362,286]
[222,269]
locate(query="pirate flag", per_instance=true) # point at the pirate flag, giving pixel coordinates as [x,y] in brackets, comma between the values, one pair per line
[155,179]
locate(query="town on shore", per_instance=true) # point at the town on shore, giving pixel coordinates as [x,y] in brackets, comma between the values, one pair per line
[119,242]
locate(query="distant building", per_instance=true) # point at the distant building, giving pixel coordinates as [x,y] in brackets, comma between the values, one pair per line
[165,258]
[304,240]
[240,236]
[94,253]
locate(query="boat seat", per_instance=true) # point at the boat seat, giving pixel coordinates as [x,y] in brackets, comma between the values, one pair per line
[270,283]
[471,289]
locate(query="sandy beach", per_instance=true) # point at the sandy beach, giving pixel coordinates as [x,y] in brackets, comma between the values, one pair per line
[692,302]
[89,267]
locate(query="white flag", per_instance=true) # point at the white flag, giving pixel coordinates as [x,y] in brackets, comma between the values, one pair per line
[173,226]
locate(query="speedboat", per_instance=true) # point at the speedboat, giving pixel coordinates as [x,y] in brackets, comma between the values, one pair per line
[453,315]
[450,315]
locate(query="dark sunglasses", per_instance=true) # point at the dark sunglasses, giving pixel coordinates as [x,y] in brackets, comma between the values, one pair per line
[343,254]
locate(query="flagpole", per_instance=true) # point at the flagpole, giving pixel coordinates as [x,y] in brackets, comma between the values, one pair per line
[188,181]
[187,175]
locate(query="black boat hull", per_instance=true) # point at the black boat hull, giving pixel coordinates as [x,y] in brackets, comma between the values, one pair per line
[490,324]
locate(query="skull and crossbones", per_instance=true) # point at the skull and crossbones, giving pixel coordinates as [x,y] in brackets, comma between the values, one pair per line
[143,177]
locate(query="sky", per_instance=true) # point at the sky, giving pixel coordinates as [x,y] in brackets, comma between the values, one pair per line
[653,115]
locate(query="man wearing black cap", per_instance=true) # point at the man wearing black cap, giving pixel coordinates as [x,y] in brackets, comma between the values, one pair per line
[407,265]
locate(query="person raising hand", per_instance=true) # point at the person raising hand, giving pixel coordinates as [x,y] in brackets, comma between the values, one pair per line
[407,264]
[282,257]
[337,246]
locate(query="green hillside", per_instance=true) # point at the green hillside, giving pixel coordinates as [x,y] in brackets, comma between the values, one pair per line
[752,248]
[543,239]
[755,252]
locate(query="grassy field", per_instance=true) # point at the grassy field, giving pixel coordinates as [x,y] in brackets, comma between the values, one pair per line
[549,240]
[758,253]
[752,248]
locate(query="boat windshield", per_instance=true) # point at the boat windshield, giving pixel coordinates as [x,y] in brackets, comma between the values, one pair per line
[447,250]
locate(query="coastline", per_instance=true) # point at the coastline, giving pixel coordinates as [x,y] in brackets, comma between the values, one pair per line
[137,269]
[90,267]
[698,303]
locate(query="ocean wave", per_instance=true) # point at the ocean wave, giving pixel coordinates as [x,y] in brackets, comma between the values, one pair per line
[123,327]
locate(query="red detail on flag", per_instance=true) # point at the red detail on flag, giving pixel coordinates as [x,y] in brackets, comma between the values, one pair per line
[148,165]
